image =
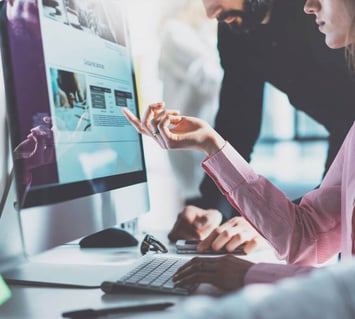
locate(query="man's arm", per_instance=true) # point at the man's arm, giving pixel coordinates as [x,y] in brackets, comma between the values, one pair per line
[238,120]
[239,116]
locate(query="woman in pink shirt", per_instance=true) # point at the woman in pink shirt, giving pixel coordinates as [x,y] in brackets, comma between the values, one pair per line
[322,225]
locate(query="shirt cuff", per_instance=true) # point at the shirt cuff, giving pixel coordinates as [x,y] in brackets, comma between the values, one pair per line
[228,169]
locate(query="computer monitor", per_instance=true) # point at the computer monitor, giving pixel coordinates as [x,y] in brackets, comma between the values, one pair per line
[68,71]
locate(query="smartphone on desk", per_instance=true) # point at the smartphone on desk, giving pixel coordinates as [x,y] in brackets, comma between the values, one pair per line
[189,247]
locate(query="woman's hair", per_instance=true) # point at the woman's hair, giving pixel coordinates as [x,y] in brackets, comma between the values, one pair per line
[350,49]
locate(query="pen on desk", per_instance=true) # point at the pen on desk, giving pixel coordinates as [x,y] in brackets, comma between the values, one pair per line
[92,313]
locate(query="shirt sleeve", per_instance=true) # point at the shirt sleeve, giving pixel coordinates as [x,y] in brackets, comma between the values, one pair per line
[308,233]
[269,273]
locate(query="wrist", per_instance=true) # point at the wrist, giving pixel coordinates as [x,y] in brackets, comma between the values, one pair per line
[214,144]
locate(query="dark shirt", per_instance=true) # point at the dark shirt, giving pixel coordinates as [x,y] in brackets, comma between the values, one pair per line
[290,53]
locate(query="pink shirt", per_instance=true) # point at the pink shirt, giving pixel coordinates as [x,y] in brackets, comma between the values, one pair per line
[306,234]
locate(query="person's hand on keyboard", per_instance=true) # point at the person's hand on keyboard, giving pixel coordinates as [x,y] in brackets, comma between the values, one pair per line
[226,272]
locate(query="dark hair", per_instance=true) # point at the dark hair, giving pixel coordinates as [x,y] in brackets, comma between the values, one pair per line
[350,49]
[350,56]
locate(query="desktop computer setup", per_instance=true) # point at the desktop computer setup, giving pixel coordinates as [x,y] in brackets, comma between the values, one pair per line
[68,70]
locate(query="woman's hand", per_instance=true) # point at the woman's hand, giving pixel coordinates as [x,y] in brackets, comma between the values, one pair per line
[195,223]
[173,131]
[226,272]
[231,234]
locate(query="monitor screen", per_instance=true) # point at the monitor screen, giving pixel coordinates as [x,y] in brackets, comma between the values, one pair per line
[68,71]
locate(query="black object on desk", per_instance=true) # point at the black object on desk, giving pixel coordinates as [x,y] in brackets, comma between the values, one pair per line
[150,243]
[110,237]
[91,313]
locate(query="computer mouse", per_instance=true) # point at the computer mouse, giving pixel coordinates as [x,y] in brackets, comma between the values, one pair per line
[109,238]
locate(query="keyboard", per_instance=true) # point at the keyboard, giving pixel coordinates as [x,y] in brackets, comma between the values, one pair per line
[152,272]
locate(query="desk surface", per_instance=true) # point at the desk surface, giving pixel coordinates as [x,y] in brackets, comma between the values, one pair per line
[39,302]
[43,302]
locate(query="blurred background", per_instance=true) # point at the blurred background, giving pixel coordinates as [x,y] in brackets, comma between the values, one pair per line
[176,61]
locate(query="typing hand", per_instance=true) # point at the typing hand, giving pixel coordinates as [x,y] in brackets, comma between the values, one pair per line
[195,223]
[230,235]
[226,272]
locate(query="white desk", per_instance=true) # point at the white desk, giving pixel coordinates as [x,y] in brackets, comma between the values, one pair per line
[49,303]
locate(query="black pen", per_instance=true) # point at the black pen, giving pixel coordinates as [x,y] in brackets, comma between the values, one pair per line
[92,313]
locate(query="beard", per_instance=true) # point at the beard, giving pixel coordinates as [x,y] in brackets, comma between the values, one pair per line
[254,13]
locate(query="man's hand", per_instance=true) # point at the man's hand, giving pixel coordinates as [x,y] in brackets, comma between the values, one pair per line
[226,272]
[195,223]
[230,235]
